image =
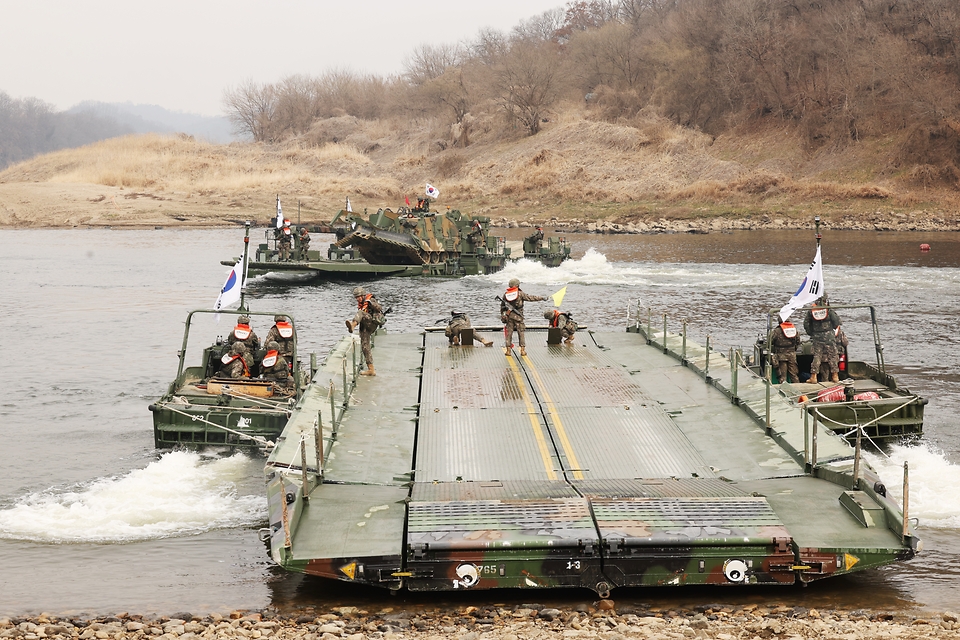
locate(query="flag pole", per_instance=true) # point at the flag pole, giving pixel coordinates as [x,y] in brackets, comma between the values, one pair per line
[246,250]
[816,221]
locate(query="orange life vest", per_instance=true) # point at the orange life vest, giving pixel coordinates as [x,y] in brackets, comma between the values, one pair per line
[227,359]
[241,331]
[365,303]
[271,358]
[789,329]
[285,329]
[818,314]
[512,294]
[556,318]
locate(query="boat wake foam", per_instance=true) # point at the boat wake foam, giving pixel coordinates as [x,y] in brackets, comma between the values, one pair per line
[181,494]
[934,498]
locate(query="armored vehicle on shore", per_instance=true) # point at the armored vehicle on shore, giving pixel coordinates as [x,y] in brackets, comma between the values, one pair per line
[636,458]
[407,242]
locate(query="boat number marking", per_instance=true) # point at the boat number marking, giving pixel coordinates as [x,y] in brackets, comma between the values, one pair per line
[574,565]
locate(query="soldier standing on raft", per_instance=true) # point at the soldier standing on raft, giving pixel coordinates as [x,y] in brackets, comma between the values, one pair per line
[369,318]
[821,325]
[304,243]
[511,314]
[784,340]
[285,241]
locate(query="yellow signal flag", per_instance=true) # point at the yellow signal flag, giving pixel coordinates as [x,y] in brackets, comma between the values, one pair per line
[558,296]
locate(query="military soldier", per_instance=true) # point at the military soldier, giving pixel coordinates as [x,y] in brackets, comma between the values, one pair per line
[784,340]
[821,324]
[369,318]
[458,322]
[235,363]
[282,333]
[274,367]
[511,314]
[563,320]
[243,333]
[285,235]
[304,243]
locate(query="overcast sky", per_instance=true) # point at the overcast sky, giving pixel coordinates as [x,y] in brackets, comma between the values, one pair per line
[181,54]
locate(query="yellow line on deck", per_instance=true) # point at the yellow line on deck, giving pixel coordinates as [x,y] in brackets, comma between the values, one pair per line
[534,422]
[555,416]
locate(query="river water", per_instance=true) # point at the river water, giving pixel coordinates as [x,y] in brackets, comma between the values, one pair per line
[94,520]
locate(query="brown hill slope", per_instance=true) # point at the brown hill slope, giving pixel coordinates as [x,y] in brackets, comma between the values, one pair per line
[576,170]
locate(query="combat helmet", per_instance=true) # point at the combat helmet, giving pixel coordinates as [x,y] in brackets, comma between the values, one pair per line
[238,348]
[514,282]
[548,314]
[279,318]
[359,291]
[273,345]
[243,320]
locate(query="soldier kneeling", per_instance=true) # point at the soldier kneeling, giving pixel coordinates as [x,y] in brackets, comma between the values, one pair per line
[564,321]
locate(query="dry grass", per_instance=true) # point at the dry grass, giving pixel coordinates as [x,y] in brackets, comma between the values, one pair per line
[574,164]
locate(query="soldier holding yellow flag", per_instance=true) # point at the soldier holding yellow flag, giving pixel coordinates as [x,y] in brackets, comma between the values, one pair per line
[511,314]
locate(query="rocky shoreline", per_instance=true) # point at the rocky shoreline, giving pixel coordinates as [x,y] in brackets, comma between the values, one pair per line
[604,620]
[860,222]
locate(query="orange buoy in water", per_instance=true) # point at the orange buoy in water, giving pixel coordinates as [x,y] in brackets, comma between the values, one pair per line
[924,247]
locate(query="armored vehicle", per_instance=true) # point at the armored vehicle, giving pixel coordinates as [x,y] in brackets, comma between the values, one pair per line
[636,458]
[411,241]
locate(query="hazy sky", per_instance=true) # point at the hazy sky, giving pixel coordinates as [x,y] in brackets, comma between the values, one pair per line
[181,54]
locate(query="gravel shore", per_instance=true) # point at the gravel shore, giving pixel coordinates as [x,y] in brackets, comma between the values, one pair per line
[523,622]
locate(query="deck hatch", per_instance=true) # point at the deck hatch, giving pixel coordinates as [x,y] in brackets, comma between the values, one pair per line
[486,524]
[690,521]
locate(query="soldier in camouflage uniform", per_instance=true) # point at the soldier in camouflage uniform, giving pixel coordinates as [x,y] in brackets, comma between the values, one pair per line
[821,324]
[243,333]
[274,367]
[511,314]
[304,243]
[568,327]
[369,318]
[282,333]
[458,322]
[235,363]
[285,240]
[784,340]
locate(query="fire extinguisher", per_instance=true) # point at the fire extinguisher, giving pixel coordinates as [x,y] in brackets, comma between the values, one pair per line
[842,365]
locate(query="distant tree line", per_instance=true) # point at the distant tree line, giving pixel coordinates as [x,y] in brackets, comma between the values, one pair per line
[839,70]
[29,127]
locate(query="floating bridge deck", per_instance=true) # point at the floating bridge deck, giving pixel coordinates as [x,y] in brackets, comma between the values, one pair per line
[616,461]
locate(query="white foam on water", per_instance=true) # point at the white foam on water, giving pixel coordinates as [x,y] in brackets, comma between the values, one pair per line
[180,494]
[934,498]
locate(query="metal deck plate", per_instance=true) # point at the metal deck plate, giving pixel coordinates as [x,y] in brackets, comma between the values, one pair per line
[488,524]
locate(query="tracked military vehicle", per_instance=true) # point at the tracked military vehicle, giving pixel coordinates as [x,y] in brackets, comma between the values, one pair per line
[440,243]
[411,241]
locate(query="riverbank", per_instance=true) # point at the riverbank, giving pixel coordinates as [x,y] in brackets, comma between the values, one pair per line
[64,205]
[603,619]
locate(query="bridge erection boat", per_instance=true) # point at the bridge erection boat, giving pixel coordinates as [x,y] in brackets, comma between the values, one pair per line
[625,459]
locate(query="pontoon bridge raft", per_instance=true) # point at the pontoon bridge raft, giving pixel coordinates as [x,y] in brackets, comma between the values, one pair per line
[625,459]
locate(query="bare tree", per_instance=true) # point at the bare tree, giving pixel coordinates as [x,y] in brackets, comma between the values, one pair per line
[428,62]
[527,80]
[251,108]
